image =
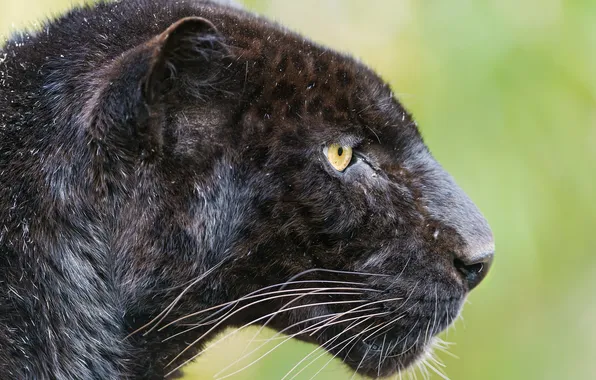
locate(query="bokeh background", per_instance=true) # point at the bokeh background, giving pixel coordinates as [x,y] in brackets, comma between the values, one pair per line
[505,94]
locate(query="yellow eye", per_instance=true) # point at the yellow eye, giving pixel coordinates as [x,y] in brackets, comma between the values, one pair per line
[339,156]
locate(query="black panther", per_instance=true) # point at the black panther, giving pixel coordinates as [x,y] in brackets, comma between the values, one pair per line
[172,168]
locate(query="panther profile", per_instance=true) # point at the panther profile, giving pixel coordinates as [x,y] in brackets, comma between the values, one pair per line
[172,168]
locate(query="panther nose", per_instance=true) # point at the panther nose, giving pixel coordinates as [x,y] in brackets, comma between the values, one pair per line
[473,268]
[468,236]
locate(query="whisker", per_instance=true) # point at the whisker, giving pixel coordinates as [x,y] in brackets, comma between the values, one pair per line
[313,326]
[421,365]
[260,293]
[414,373]
[443,346]
[328,324]
[319,291]
[405,338]
[381,356]
[371,303]
[317,348]
[295,334]
[391,348]
[436,370]
[436,311]
[253,295]
[426,332]
[280,310]
[389,323]
[361,361]
[272,349]
[265,316]
[433,358]
[449,320]
[336,272]
[324,346]
[411,346]
[333,357]
[399,275]
[285,339]
[383,326]
[349,339]
[168,308]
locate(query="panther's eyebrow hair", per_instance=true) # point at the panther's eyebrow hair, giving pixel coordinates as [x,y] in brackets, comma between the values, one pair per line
[373,132]
[347,138]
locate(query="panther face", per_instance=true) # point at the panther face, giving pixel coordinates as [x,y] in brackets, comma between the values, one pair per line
[223,171]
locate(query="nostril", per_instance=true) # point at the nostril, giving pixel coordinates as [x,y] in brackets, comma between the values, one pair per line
[472,273]
[468,270]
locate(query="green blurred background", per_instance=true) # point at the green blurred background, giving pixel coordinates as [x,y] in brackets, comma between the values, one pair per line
[505,94]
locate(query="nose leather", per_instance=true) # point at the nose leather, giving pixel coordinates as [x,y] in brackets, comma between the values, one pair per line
[474,271]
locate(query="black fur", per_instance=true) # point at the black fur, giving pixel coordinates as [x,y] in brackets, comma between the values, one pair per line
[146,146]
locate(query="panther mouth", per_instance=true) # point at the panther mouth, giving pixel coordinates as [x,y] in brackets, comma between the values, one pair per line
[377,328]
[386,347]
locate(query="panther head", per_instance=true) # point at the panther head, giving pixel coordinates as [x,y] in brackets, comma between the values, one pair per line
[235,173]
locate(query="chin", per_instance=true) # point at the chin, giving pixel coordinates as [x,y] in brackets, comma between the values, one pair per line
[389,361]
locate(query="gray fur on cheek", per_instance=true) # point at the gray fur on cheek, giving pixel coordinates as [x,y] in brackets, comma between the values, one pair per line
[222,210]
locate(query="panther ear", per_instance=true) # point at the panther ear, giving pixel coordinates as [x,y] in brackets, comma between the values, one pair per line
[125,114]
[189,44]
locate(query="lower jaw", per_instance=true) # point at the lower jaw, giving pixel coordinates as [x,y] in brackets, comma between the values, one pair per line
[384,365]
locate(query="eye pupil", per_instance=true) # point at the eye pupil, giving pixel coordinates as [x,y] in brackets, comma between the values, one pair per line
[339,156]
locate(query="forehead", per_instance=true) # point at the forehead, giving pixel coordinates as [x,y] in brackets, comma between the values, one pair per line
[290,79]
